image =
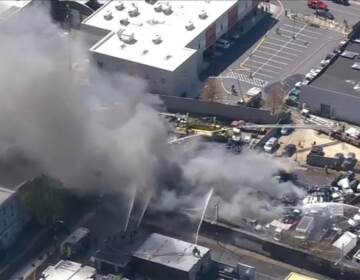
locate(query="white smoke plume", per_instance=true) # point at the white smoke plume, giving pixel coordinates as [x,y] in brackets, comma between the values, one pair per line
[47,125]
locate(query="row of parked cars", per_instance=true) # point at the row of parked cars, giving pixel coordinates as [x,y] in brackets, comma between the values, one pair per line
[272,144]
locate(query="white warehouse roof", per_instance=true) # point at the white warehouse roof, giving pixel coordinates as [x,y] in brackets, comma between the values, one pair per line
[170,252]
[156,35]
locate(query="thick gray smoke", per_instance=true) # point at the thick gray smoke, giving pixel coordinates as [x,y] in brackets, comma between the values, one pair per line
[244,184]
[48,125]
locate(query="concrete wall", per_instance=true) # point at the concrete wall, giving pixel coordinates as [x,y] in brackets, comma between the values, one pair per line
[222,111]
[343,106]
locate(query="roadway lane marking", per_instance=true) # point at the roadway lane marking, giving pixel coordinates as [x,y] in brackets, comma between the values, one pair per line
[284,46]
[262,63]
[268,70]
[296,39]
[278,45]
[282,57]
[302,34]
[304,30]
[244,78]
[265,75]
[265,58]
[289,41]
[284,52]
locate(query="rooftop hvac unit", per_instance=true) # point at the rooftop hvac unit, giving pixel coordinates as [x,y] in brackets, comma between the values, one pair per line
[126,37]
[108,15]
[133,11]
[203,14]
[120,6]
[190,25]
[167,9]
[124,21]
[157,39]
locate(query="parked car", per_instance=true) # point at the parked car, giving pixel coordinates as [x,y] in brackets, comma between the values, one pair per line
[324,14]
[222,43]
[317,4]
[270,145]
[285,130]
[324,62]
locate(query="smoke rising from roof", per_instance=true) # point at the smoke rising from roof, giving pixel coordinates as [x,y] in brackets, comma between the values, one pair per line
[48,125]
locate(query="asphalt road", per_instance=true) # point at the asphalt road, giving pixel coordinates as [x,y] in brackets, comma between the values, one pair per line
[278,47]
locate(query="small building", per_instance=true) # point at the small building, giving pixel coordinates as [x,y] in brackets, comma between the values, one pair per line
[297,276]
[68,270]
[163,257]
[165,43]
[304,227]
[13,217]
[346,242]
[75,242]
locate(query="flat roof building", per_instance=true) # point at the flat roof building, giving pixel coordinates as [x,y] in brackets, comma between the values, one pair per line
[346,242]
[335,92]
[13,215]
[68,270]
[297,276]
[304,227]
[163,257]
[161,41]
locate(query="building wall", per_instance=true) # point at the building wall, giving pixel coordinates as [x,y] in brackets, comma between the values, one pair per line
[12,220]
[342,106]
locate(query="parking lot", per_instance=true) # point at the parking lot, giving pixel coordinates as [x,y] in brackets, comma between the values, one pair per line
[278,51]
[288,47]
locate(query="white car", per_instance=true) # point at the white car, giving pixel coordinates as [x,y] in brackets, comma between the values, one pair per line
[324,62]
[222,43]
[309,76]
[299,84]
[270,145]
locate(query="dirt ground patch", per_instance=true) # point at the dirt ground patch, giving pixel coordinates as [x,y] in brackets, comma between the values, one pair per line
[304,139]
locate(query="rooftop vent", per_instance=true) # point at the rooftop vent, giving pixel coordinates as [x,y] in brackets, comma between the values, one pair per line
[108,15]
[128,38]
[120,6]
[190,25]
[158,7]
[124,21]
[203,14]
[157,39]
[167,9]
[145,52]
[134,10]
[167,57]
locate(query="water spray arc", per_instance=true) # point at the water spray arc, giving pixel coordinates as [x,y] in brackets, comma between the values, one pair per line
[203,214]
[132,202]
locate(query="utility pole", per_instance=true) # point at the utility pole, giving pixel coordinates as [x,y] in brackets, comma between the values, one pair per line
[217,211]
[294,35]
[251,65]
